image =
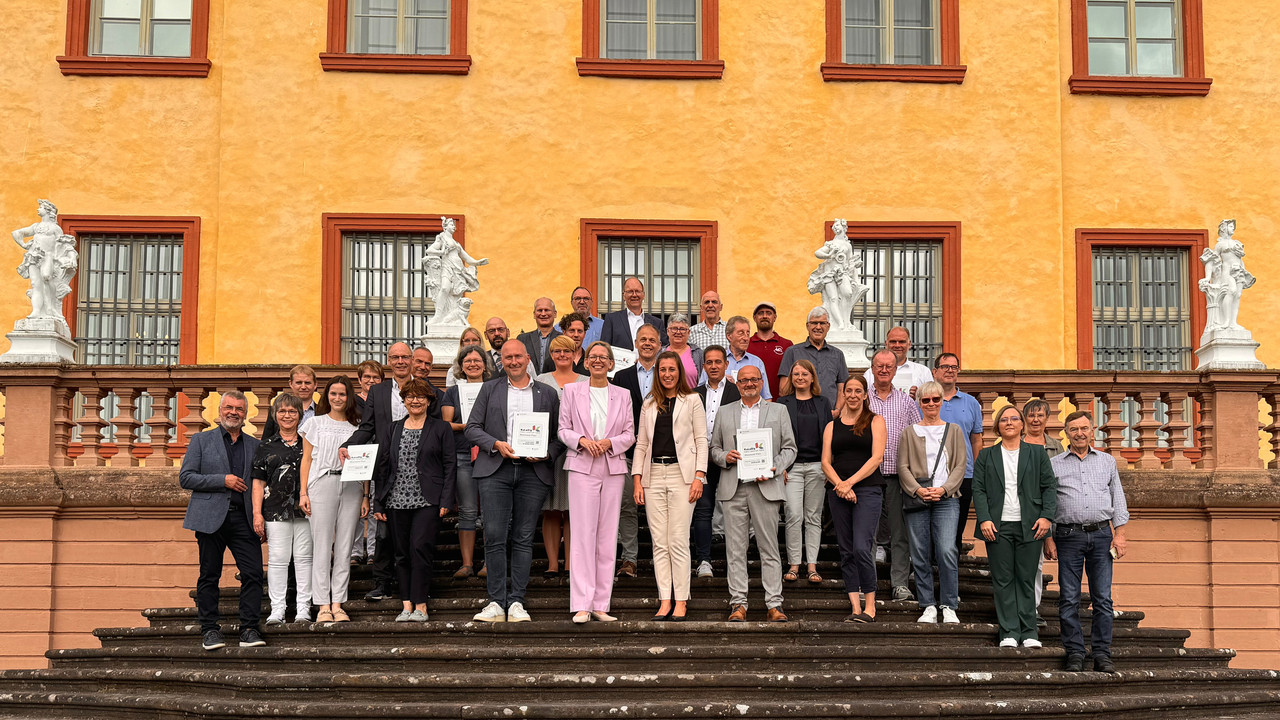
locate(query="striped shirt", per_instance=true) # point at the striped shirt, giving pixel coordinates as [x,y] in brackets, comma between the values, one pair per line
[1089,489]
[899,412]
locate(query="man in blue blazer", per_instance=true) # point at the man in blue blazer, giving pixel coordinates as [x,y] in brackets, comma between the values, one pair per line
[620,327]
[512,488]
[216,471]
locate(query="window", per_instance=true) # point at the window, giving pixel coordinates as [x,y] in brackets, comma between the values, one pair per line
[1138,47]
[1138,308]
[671,39]
[375,290]
[675,259]
[913,276]
[137,37]
[399,36]
[895,40]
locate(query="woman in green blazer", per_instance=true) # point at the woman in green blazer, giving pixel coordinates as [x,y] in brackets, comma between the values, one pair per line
[1013,518]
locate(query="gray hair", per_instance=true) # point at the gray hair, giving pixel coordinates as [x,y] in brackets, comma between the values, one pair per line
[463,352]
[678,319]
[735,321]
[930,388]
[287,400]
[820,311]
[234,395]
[1033,405]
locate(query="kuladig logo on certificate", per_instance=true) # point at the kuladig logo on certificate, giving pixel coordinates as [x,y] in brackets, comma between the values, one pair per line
[359,466]
[531,430]
[756,449]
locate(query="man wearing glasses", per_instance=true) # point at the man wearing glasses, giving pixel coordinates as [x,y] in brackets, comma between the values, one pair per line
[711,331]
[582,302]
[833,372]
[619,328]
[961,408]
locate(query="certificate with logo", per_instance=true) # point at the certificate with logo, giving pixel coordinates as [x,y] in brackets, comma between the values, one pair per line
[622,359]
[531,434]
[359,466]
[756,448]
[467,394]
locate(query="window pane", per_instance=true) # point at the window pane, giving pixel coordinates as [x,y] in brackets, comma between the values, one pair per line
[903,279]
[1155,21]
[1108,57]
[374,35]
[171,39]
[913,13]
[677,42]
[171,9]
[913,47]
[120,38]
[429,36]
[1156,57]
[376,7]
[628,41]
[863,12]
[122,9]
[862,46]
[430,7]
[628,10]
[1108,20]
[676,11]
[127,309]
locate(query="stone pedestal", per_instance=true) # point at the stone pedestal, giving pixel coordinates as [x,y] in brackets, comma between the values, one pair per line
[442,341]
[40,340]
[854,346]
[1228,350]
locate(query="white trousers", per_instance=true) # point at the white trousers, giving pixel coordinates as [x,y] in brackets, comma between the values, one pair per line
[335,511]
[288,540]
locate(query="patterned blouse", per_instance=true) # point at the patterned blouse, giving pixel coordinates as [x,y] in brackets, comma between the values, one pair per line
[406,492]
[277,465]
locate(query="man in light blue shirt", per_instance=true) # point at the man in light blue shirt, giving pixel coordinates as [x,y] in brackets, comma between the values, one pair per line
[962,409]
[581,302]
[738,332]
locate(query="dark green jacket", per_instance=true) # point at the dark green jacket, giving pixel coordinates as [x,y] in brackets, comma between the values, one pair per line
[1037,487]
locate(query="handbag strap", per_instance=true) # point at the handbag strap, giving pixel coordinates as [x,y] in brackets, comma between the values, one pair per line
[942,444]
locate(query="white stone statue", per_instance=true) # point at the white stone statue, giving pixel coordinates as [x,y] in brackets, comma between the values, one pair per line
[451,274]
[1225,344]
[837,278]
[49,262]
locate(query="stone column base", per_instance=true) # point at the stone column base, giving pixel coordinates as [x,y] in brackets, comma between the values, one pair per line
[39,341]
[1223,353]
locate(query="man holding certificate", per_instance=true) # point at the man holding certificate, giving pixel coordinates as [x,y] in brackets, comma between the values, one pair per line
[754,443]
[513,424]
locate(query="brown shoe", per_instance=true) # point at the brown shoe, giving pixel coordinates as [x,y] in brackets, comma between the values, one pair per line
[775,614]
[739,614]
[484,572]
[628,568]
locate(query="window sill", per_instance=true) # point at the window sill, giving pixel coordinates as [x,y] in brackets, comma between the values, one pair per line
[651,69]
[139,66]
[382,63]
[842,72]
[1159,86]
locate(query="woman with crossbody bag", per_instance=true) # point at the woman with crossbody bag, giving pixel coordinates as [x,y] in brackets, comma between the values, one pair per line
[931,464]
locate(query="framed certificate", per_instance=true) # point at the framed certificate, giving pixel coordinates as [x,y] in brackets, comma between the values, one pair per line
[756,448]
[531,430]
[359,466]
[467,394]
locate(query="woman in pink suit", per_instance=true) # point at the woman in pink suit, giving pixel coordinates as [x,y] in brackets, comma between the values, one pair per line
[596,427]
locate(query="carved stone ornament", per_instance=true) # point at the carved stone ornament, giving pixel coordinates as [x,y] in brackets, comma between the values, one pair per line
[1225,345]
[49,262]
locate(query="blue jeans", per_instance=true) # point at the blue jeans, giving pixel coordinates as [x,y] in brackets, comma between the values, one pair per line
[1090,552]
[468,497]
[512,499]
[703,512]
[932,532]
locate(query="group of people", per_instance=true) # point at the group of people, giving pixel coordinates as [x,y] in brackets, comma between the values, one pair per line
[896,454]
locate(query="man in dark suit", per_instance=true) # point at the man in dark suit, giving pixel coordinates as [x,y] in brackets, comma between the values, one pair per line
[715,393]
[512,488]
[620,327]
[216,469]
[637,380]
[537,342]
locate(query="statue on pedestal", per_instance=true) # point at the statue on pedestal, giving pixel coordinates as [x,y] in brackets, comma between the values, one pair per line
[837,278]
[49,262]
[1225,344]
[451,274]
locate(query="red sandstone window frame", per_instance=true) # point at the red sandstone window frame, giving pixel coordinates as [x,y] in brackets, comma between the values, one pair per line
[1192,82]
[592,64]
[947,233]
[949,71]
[187,227]
[705,232]
[78,61]
[334,224]
[336,57]
[1194,241]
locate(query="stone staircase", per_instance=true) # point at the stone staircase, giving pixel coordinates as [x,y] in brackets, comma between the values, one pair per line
[812,667]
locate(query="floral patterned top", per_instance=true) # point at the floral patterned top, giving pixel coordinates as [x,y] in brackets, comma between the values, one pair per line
[277,464]
[406,493]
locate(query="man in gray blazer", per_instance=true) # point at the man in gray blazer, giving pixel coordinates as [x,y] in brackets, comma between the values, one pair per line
[216,471]
[752,502]
[512,488]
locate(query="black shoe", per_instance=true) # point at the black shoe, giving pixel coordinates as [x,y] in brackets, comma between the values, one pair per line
[377,594]
[1075,663]
[213,640]
[1104,665]
[250,637]
[1041,622]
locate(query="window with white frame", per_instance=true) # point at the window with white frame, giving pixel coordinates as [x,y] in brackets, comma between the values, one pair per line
[1135,37]
[651,29]
[1141,309]
[891,32]
[904,280]
[159,28]
[384,292]
[399,27]
[668,267]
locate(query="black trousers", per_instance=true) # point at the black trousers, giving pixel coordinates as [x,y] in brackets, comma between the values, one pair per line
[384,557]
[855,526]
[246,547]
[414,533]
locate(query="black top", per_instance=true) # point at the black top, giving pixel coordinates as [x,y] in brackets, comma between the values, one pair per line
[664,440]
[807,426]
[277,466]
[235,457]
[849,452]
[461,445]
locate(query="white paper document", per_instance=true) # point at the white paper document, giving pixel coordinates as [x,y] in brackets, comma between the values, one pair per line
[756,448]
[531,430]
[467,394]
[622,359]
[359,466]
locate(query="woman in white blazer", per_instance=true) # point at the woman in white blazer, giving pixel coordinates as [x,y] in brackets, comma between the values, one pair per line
[669,469]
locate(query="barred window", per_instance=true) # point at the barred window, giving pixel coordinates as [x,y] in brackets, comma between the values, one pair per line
[160,28]
[905,288]
[129,305]
[652,29]
[891,32]
[1135,37]
[402,27]
[384,292]
[669,268]
[1141,309]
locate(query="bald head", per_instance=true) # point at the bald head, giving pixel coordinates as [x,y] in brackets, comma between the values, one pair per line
[515,360]
[750,384]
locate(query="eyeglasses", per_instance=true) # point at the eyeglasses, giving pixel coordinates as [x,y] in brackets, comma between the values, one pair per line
[748,381]
[816,323]
[949,367]
[930,401]
[676,329]
[417,398]
[601,358]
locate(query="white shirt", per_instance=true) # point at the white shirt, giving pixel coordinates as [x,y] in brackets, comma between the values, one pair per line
[599,410]
[749,417]
[908,375]
[714,396]
[932,435]
[635,321]
[1012,511]
[519,400]
[326,435]
[398,410]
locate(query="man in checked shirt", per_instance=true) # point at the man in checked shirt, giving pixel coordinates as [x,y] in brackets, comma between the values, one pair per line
[1089,533]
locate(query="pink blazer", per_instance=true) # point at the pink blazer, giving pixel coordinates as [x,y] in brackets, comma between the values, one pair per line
[575,423]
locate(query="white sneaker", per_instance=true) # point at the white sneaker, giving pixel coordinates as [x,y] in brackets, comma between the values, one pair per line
[417,616]
[930,615]
[516,613]
[404,616]
[949,616]
[304,615]
[1008,643]
[880,554]
[704,569]
[1031,643]
[276,619]
[492,612]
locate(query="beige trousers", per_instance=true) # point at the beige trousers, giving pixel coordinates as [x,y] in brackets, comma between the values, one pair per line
[670,514]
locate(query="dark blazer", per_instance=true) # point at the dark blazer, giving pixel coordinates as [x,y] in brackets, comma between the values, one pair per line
[825,410]
[1037,487]
[617,331]
[630,381]
[437,466]
[730,395]
[488,424]
[533,345]
[375,421]
[204,472]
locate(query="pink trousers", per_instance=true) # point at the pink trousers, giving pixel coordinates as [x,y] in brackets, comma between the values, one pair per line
[594,504]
